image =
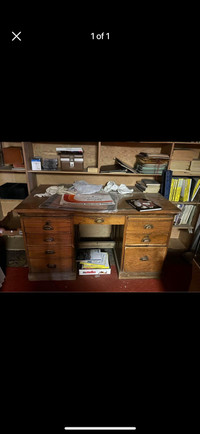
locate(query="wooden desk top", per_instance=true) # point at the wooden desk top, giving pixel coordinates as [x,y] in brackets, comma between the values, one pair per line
[30,205]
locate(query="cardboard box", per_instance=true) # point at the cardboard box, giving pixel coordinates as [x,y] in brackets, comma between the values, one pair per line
[13,155]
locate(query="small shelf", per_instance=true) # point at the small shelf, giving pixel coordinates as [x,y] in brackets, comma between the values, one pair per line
[12,170]
[185,203]
[184,173]
[183,226]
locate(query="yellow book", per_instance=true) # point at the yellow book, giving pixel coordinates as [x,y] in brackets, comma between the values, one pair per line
[174,189]
[171,189]
[187,190]
[178,189]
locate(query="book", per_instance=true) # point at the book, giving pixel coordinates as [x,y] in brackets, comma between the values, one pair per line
[166,183]
[124,165]
[178,189]
[171,189]
[185,190]
[141,204]
[195,187]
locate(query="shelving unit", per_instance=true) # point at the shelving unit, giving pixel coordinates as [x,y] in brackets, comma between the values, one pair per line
[97,154]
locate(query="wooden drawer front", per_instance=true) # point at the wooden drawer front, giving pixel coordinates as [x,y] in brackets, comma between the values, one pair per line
[151,237]
[147,231]
[146,259]
[47,225]
[51,265]
[49,239]
[53,252]
[100,220]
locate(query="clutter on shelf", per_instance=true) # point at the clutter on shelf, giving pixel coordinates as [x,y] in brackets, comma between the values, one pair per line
[93,261]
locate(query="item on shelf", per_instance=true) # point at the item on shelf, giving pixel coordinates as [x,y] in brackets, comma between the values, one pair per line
[36,163]
[195,165]
[151,164]
[184,154]
[94,262]
[119,166]
[185,189]
[50,163]
[141,204]
[13,190]
[6,167]
[180,165]
[13,155]
[71,159]
[148,186]
[195,187]
[185,216]
[166,183]
[92,169]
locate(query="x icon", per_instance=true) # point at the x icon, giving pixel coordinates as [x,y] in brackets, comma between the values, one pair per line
[16,36]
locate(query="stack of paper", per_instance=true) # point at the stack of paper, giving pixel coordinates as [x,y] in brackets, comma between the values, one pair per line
[93,261]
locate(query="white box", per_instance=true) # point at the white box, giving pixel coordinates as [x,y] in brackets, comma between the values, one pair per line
[93,271]
[36,163]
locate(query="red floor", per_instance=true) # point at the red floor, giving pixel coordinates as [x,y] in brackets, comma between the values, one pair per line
[175,277]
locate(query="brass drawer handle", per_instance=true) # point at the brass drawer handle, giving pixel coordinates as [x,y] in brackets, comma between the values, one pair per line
[144,258]
[146,240]
[48,227]
[99,220]
[49,252]
[51,265]
[49,239]
[148,226]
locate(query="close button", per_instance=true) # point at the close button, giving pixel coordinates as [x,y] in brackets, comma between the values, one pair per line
[16,36]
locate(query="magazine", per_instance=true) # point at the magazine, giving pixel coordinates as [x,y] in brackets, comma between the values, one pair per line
[143,205]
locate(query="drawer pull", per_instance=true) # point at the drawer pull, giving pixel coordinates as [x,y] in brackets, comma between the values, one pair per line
[99,220]
[49,239]
[47,227]
[146,239]
[148,226]
[144,258]
[49,252]
[51,265]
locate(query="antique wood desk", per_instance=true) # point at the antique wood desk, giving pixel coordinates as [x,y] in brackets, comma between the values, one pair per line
[50,236]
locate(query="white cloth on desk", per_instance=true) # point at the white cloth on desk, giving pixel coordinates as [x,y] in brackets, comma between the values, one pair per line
[54,189]
[81,187]
[121,189]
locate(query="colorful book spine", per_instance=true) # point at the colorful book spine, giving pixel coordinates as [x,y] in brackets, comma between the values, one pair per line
[171,189]
[196,188]
[174,189]
[178,190]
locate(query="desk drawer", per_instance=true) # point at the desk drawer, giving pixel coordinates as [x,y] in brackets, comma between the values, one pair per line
[99,220]
[51,265]
[53,252]
[147,230]
[151,237]
[48,239]
[144,259]
[47,224]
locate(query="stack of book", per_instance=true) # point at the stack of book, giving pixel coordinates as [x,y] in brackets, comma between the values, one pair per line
[185,216]
[93,261]
[148,185]
[184,189]
[150,163]
[195,165]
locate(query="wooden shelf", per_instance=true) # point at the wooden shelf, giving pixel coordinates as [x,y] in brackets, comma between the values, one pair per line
[12,171]
[185,203]
[183,226]
[184,173]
